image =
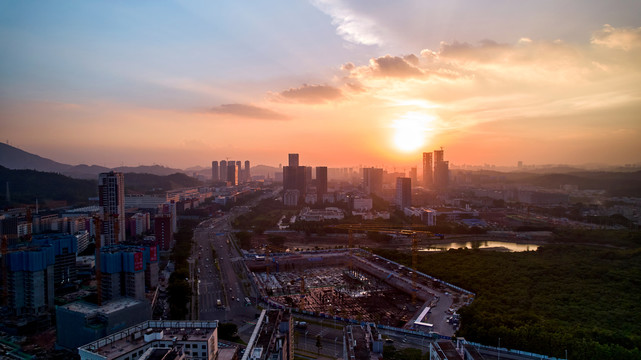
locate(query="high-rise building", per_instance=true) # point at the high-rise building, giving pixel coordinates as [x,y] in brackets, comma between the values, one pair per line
[428,178]
[239,172]
[403,192]
[163,231]
[441,170]
[232,173]
[414,175]
[111,195]
[65,247]
[30,284]
[247,173]
[373,180]
[223,170]
[214,171]
[293,160]
[123,271]
[321,182]
[295,177]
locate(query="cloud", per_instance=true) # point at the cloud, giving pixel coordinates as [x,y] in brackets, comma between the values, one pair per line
[618,38]
[312,94]
[394,66]
[248,111]
[350,25]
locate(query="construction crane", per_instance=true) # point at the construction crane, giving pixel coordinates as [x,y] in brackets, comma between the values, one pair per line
[5,271]
[350,245]
[413,231]
[97,227]
[29,225]
[414,266]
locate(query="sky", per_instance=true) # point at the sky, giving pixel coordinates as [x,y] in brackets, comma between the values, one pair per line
[342,83]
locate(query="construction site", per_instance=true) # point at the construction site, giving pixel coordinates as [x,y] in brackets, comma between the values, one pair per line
[355,285]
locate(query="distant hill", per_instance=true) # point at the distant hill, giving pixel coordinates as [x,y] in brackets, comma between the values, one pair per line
[25,186]
[14,158]
[149,183]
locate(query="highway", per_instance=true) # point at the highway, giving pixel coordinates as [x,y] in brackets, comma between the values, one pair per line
[222,277]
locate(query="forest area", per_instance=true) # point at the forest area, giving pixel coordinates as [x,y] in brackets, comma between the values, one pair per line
[582,299]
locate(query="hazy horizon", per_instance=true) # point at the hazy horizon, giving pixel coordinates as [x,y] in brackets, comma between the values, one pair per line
[180,84]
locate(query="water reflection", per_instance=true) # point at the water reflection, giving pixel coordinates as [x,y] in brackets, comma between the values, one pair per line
[494,245]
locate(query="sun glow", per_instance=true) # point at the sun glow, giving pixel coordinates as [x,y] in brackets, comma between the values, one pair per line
[411,131]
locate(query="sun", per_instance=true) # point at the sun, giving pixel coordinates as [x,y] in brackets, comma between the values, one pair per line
[411,131]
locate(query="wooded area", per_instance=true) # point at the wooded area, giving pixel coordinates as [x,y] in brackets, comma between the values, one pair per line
[585,300]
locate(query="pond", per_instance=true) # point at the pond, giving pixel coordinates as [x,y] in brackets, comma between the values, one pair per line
[496,245]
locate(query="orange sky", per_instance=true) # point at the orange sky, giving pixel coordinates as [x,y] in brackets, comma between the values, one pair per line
[534,100]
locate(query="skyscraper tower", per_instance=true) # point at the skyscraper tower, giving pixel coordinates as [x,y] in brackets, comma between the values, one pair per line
[111,198]
[414,175]
[441,170]
[403,192]
[293,160]
[321,183]
[214,171]
[373,181]
[223,170]
[428,178]
[247,172]
[232,173]
[239,172]
[438,156]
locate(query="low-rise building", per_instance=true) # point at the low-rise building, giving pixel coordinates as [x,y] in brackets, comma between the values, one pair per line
[157,339]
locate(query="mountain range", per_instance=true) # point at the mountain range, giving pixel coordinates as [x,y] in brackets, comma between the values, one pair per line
[17,159]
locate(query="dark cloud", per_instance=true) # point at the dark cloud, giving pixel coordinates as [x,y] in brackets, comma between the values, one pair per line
[312,94]
[248,111]
[394,66]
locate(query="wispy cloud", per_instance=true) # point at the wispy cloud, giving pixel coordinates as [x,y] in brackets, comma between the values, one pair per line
[312,94]
[618,38]
[248,111]
[352,26]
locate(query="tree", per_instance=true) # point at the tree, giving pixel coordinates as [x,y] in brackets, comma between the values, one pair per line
[228,331]
[319,344]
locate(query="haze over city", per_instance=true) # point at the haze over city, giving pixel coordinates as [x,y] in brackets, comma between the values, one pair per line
[341,82]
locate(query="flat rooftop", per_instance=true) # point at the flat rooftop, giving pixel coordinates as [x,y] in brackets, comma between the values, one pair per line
[130,339]
[106,308]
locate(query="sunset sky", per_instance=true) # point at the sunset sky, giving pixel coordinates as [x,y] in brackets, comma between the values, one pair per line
[342,83]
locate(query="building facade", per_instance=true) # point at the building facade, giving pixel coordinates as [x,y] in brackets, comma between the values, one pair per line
[111,197]
[214,171]
[403,192]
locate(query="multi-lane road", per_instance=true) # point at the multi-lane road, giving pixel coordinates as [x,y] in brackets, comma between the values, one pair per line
[221,295]
[222,285]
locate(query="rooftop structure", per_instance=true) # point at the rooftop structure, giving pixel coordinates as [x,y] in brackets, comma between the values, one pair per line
[91,322]
[328,213]
[272,337]
[190,339]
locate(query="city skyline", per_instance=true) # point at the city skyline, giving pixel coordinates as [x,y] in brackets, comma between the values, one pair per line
[182,84]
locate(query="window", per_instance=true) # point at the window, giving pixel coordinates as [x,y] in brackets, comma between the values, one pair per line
[203,347]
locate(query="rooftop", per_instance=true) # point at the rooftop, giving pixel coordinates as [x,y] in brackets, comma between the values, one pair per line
[134,337]
[107,308]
